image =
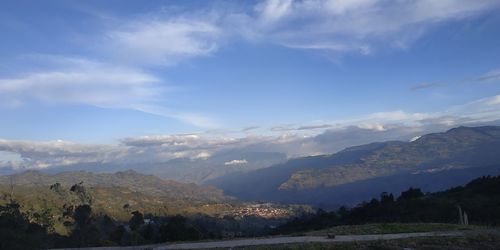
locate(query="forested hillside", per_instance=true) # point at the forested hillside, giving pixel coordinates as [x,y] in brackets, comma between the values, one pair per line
[478,200]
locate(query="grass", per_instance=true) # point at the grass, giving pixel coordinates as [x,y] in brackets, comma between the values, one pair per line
[388,228]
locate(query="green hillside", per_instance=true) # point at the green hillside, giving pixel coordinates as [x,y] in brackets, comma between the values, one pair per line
[115,195]
[145,184]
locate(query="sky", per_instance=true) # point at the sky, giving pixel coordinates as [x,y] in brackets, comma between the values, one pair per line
[102,81]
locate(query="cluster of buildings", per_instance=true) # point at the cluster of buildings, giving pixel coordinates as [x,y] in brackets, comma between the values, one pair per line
[262,210]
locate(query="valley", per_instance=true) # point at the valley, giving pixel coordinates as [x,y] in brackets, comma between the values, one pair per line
[312,195]
[433,162]
[260,124]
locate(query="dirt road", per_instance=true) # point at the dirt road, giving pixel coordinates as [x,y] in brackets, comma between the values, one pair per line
[282,240]
[301,239]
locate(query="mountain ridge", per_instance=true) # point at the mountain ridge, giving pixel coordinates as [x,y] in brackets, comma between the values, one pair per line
[455,149]
[130,179]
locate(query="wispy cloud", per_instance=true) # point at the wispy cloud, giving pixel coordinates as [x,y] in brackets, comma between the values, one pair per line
[283,128]
[70,80]
[163,41]
[425,85]
[490,76]
[493,75]
[342,25]
[312,127]
[273,11]
[247,129]
[333,25]
[76,80]
[118,73]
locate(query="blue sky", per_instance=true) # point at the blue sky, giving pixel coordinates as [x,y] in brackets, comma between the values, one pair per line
[96,72]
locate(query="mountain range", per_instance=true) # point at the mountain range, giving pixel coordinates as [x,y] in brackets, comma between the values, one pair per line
[115,194]
[433,161]
[135,182]
[185,169]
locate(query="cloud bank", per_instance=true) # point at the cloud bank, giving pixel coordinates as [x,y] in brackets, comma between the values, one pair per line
[295,141]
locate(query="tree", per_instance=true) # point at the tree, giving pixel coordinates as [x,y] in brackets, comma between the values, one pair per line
[17,232]
[148,233]
[43,217]
[81,193]
[386,198]
[136,221]
[82,215]
[177,229]
[411,193]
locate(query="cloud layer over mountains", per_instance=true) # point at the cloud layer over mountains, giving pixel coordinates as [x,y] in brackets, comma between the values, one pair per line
[294,141]
[122,64]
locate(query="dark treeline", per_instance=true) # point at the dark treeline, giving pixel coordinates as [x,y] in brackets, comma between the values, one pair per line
[17,231]
[35,229]
[479,199]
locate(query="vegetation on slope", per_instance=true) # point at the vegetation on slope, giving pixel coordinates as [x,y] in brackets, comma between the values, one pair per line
[131,180]
[480,199]
[86,226]
[78,216]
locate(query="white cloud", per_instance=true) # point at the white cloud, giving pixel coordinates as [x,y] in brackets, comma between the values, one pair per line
[198,120]
[337,25]
[396,116]
[56,153]
[235,162]
[116,76]
[493,100]
[85,82]
[479,110]
[81,81]
[358,26]
[294,142]
[202,155]
[375,127]
[163,42]
[341,7]
[354,25]
[271,11]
